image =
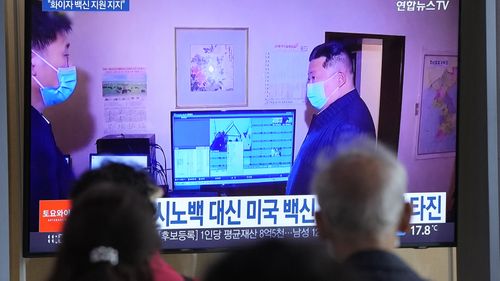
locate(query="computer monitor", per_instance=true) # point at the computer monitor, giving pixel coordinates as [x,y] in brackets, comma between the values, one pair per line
[138,161]
[232,150]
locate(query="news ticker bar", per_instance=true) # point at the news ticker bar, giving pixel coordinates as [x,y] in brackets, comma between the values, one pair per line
[176,239]
[86,5]
[245,211]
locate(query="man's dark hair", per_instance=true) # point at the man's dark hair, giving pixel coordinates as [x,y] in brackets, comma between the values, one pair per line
[334,52]
[46,25]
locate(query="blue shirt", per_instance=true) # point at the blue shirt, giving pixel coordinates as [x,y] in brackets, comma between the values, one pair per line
[344,120]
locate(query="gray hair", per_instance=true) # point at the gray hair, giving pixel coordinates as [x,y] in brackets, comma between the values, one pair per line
[361,192]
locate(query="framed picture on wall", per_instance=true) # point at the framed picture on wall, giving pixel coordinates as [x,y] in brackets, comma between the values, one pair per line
[437,130]
[211,67]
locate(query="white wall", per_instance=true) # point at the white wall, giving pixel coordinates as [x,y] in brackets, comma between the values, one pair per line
[145,37]
[371,72]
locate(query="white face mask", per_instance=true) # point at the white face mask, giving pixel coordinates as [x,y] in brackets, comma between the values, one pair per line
[316,93]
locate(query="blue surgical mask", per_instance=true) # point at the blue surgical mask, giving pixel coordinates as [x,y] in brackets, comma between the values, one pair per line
[316,93]
[67,83]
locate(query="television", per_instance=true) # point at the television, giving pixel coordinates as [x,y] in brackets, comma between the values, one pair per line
[232,151]
[156,60]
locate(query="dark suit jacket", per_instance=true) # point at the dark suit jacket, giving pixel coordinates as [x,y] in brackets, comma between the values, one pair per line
[50,175]
[376,265]
[343,121]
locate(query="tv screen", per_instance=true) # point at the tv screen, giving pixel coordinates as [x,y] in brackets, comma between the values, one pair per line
[232,151]
[231,77]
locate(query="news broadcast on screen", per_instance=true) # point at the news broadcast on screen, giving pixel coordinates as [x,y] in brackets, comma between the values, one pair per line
[220,104]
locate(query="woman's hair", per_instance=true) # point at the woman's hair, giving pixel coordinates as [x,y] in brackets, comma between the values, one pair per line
[110,234]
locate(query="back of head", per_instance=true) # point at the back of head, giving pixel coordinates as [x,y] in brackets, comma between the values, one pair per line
[109,235]
[278,260]
[46,25]
[361,193]
[336,56]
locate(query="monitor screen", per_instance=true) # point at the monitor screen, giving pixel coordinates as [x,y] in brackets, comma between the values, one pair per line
[234,87]
[137,161]
[231,149]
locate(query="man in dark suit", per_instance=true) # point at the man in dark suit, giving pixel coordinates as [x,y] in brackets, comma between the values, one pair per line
[361,195]
[53,80]
[340,113]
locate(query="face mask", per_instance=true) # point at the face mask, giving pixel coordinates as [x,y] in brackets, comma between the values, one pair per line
[67,83]
[316,93]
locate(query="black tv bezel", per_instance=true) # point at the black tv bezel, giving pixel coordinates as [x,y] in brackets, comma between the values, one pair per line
[27,135]
[27,139]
